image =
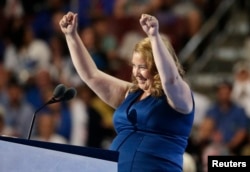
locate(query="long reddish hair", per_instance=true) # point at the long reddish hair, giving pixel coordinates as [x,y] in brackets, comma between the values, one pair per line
[145,49]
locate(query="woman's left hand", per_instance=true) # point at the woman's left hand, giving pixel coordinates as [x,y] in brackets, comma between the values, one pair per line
[149,24]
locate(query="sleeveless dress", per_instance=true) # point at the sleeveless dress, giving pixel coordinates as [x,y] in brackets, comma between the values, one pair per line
[151,135]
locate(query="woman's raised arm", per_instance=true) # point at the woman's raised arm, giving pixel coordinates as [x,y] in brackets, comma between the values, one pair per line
[176,89]
[110,89]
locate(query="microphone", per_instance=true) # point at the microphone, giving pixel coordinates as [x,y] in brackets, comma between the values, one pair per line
[59,91]
[69,94]
[60,94]
[57,94]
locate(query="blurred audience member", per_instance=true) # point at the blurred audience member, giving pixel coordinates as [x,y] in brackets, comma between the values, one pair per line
[106,113]
[44,15]
[4,75]
[106,40]
[80,120]
[26,53]
[37,85]
[241,94]
[61,114]
[18,111]
[55,28]
[245,151]
[95,121]
[89,9]
[202,104]
[126,8]
[189,164]
[225,122]
[91,120]
[13,9]
[89,38]
[212,150]
[4,130]
[46,131]
[241,85]
[127,43]
[192,15]
[62,69]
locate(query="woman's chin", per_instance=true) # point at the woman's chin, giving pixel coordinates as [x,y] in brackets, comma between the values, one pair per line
[142,86]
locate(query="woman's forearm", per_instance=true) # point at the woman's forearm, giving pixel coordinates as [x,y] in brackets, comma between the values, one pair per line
[81,58]
[164,61]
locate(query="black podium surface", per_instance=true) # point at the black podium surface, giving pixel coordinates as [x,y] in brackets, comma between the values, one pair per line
[36,156]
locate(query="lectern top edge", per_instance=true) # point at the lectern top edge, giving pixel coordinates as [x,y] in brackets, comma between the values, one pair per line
[99,153]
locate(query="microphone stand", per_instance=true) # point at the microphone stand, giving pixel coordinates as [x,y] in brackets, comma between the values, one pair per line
[53,100]
[68,94]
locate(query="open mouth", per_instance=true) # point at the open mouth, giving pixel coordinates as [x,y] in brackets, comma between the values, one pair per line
[141,80]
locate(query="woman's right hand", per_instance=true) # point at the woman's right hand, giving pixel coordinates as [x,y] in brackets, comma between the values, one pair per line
[149,24]
[68,23]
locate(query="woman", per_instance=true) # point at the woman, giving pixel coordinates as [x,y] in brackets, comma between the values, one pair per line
[154,113]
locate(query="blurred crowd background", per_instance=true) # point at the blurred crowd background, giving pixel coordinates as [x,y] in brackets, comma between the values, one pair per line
[211,38]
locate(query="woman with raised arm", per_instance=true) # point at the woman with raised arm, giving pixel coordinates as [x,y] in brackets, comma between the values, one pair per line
[154,113]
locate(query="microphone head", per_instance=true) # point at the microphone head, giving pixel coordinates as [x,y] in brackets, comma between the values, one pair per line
[59,91]
[69,94]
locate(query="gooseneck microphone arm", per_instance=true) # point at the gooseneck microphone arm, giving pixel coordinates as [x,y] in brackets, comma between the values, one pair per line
[58,94]
[33,118]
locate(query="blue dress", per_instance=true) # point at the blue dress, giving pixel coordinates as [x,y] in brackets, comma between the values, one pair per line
[151,136]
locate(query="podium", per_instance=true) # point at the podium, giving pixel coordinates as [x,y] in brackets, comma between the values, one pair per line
[18,155]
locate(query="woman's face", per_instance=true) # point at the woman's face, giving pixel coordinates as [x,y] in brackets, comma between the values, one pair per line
[141,72]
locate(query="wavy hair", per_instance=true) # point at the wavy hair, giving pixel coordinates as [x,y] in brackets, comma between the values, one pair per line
[144,47]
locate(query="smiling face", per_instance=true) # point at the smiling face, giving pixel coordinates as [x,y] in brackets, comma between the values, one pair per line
[145,74]
[141,72]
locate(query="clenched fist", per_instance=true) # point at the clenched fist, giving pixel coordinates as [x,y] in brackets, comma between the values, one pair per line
[149,24]
[68,23]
